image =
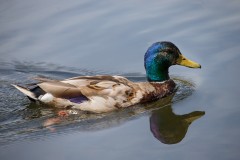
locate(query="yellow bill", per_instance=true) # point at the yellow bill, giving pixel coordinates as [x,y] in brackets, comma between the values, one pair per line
[183,61]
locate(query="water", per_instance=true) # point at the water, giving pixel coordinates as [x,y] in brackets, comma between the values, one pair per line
[61,39]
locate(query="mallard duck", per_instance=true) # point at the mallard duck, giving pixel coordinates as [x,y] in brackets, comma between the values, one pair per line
[104,93]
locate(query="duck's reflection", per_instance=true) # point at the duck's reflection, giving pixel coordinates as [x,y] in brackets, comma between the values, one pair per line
[165,125]
[170,128]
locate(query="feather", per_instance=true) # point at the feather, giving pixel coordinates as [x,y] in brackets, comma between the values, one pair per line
[25,91]
[60,90]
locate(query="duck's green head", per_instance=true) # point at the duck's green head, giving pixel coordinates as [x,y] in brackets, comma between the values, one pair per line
[160,56]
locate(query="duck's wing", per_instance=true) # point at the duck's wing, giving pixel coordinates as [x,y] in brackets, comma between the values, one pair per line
[87,86]
[90,93]
[59,89]
[101,85]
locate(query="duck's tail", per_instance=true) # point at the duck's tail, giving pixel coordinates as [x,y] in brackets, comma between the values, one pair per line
[26,91]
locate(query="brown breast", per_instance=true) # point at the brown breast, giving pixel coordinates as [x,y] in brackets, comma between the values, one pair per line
[160,90]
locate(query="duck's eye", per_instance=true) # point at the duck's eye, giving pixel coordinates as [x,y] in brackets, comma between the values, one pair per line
[184,59]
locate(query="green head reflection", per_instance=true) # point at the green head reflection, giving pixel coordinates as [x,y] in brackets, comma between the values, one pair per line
[168,127]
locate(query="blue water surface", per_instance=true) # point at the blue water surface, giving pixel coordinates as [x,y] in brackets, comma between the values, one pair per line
[64,38]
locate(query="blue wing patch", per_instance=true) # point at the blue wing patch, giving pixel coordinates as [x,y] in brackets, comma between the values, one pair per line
[79,99]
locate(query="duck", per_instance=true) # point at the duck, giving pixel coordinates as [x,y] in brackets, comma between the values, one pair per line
[105,93]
